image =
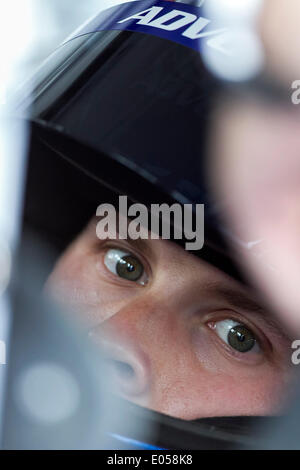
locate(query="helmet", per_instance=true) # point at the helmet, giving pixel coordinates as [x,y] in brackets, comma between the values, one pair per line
[123,108]
[127,101]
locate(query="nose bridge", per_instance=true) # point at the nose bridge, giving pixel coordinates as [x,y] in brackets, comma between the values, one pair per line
[132,340]
[122,346]
[131,326]
[140,318]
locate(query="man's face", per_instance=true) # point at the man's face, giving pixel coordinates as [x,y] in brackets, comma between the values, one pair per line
[183,338]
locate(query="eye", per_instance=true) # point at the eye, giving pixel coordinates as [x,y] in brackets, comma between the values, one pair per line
[237,335]
[125,265]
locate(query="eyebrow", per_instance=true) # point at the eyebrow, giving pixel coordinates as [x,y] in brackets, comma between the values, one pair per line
[238,298]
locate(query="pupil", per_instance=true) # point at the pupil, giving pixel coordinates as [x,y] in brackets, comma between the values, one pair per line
[240,336]
[130,268]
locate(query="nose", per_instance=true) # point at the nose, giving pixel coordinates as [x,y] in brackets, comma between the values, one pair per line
[129,364]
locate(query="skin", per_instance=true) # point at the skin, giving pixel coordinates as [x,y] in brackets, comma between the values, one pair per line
[164,331]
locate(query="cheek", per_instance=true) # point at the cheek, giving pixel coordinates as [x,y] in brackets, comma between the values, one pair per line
[193,393]
[195,383]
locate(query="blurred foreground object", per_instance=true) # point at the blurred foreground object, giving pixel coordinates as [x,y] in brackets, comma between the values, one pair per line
[279,29]
[59,394]
[257,173]
[256,169]
[14,55]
